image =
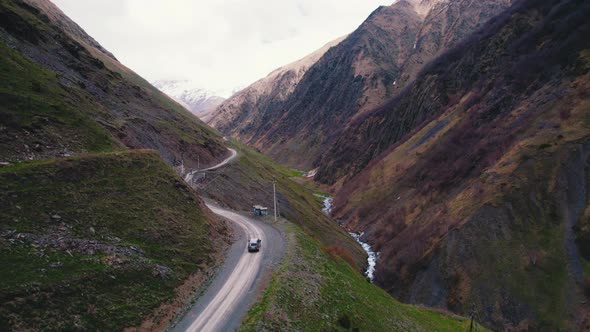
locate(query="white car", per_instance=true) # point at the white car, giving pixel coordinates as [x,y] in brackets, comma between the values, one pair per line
[254,245]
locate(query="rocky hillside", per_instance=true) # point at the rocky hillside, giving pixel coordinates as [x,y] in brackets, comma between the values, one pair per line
[247,107]
[83,98]
[370,65]
[200,102]
[472,182]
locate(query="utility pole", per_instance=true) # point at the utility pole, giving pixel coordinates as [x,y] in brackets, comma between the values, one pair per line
[274,193]
[182,164]
[198,162]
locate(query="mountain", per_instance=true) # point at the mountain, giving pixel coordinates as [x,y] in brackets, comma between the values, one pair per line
[101,241]
[248,107]
[84,99]
[472,182]
[297,125]
[97,231]
[200,102]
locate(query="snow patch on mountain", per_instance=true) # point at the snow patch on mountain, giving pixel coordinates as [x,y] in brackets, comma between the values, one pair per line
[194,99]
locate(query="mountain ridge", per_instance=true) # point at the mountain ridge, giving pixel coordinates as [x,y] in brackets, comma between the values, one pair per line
[370,65]
[276,86]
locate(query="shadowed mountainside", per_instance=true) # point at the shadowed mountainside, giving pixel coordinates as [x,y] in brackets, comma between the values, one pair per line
[472,183]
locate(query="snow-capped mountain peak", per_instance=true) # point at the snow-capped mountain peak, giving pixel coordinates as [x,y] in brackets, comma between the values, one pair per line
[196,100]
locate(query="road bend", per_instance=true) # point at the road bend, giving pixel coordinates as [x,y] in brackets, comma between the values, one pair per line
[191,174]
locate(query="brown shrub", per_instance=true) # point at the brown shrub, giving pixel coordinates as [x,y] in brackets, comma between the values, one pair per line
[338,252]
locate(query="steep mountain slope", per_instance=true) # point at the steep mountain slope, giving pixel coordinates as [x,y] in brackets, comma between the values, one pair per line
[108,236]
[248,106]
[200,102]
[99,241]
[369,66]
[471,182]
[80,82]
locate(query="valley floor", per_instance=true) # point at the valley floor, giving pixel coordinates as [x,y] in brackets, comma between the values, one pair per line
[295,282]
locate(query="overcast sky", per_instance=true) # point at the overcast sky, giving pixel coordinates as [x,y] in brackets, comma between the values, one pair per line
[218,44]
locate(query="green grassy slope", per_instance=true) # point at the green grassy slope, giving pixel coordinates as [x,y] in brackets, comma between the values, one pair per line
[316,291]
[34,112]
[95,242]
[249,181]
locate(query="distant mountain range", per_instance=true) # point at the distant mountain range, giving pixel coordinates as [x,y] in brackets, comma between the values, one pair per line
[199,101]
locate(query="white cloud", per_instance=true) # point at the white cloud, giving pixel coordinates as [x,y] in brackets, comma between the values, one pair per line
[217,44]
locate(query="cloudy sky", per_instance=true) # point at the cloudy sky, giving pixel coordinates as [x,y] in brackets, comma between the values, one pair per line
[219,45]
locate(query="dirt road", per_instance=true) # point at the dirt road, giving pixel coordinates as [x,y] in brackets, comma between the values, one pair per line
[233,154]
[234,289]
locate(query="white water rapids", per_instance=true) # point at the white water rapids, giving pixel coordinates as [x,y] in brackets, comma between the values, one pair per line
[371,255]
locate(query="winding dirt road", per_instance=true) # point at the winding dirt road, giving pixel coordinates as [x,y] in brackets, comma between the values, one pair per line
[234,289]
[233,153]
